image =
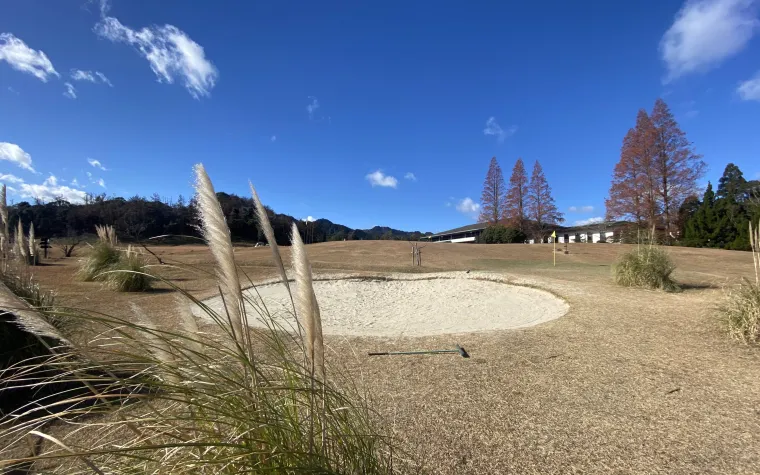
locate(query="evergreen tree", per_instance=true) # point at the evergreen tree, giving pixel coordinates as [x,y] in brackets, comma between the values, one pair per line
[732,184]
[701,228]
[492,201]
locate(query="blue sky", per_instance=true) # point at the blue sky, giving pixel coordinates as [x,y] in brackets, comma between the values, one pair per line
[381,114]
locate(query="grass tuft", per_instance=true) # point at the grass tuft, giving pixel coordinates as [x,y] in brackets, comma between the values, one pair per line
[128,273]
[102,257]
[648,266]
[741,310]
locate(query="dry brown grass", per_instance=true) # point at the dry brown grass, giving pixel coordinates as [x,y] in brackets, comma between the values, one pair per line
[629,381]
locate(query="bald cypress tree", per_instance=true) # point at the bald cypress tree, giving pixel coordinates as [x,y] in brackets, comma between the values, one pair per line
[492,200]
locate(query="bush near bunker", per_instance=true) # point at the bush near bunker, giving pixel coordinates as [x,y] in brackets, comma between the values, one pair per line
[646,266]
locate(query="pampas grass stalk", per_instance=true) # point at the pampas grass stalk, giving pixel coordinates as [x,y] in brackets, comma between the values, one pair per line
[754,239]
[20,244]
[266,226]
[32,243]
[217,235]
[307,309]
[4,234]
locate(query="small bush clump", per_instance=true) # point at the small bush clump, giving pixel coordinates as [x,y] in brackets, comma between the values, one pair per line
[741,310]
[647,266]
[121,270]
[500,234]
[128,273]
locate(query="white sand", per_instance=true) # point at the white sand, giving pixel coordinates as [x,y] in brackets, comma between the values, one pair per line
[416,305]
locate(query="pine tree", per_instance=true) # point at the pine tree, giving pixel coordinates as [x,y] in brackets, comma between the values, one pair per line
[493,197]
[517,193]
[677,166]
[540,203]
[702,227]
[732,184]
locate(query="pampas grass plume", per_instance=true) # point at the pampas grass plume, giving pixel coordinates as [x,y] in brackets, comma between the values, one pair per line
[306,305]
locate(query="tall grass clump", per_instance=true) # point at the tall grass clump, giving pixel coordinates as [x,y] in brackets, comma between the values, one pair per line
[741,307]
[648,266]
[122,270]
[229,400]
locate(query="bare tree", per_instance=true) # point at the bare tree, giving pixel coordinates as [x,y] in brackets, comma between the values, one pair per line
[68,243]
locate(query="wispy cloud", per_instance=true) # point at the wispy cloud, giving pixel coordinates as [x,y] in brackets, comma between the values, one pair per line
[90,76]
[469,207]
[584,222]
[750,90]
[75,182]
[50,192]
[581,209]
[312,107]
[378,178]
[171,53]
[410,176]
[12,91]
[70,92]
[493,128]
[101,182]
[96,164]
[273,138]
[14,153]
[25,59]
[51,181]
[705,33]
[10,179]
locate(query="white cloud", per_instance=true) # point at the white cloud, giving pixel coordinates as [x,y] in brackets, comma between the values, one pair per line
[171,53]
[584,222]
[70,92]
[10,179]
[273,138]
[705,33]
[448,204]
[309,219]
[750,90]
[469,207]
[493,128]
[89,76]
[96,164]
[13,91]
[23,58]
[378,178]
[89,175]
[312,107]
[410,176]
[51,181]
[74,182]
[581,209]
[14,153]
[47,192]
[101,182]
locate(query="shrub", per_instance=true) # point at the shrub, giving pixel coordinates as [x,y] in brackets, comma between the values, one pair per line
[261,401]
[647,266]
[128,274]
[741,310]
[102,257]
[500,234]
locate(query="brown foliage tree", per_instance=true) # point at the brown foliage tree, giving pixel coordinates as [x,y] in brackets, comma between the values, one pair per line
[633,192]
[492,199]
[676,165]
[540,203]
[514,211]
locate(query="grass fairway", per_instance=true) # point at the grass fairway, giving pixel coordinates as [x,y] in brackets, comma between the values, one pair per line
[628,381]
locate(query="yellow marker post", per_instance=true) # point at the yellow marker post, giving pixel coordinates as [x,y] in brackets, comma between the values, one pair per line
[554,240]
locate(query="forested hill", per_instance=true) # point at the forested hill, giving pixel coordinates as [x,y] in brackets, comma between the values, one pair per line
[139,218]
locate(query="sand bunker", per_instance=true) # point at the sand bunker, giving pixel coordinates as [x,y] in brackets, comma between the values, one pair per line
[416,305]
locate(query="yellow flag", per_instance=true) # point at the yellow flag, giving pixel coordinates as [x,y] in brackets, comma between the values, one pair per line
[554,234]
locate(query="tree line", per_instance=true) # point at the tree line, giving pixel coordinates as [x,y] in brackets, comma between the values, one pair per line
[655,186]
[139,218]
[525,206]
